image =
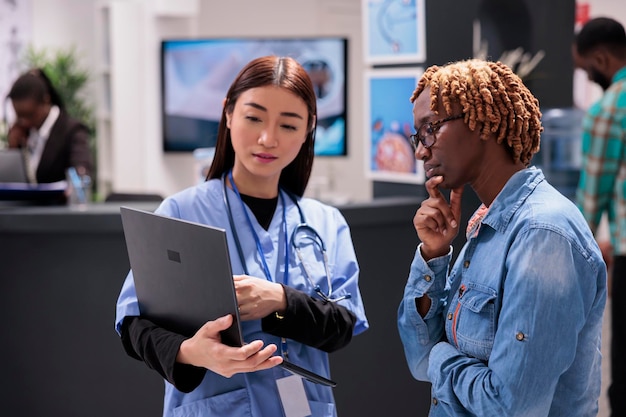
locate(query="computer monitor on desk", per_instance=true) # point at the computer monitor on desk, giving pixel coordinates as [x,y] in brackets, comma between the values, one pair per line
[15,188]
[12,166]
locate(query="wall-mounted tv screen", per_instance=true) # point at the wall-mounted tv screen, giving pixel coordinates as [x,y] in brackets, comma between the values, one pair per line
[196,74]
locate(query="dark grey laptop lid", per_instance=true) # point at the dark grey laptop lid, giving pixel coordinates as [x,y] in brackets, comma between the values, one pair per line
[12,166]
[183,276]
[182,272]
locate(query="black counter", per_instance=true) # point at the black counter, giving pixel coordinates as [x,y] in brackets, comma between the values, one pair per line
[62,269]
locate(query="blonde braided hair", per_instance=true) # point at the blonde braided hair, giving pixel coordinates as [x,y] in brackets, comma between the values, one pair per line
[491,96]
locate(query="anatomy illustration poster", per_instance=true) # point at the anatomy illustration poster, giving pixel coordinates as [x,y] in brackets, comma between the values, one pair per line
[394,31]
[389,115]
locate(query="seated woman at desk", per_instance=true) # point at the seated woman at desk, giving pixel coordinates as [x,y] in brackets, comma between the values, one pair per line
[52,140]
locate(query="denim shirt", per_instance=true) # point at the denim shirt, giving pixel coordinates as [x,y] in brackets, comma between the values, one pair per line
[514,329]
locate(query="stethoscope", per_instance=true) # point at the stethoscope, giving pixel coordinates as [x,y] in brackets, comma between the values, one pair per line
[300,233]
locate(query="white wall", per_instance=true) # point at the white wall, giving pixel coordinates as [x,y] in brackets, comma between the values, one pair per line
[59,24]
[608,8]
[332,177]
[143,167]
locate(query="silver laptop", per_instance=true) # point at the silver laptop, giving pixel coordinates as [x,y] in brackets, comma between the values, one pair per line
[12,166]
[183,276]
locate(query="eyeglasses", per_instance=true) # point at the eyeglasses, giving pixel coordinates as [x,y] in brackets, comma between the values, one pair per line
[426,132]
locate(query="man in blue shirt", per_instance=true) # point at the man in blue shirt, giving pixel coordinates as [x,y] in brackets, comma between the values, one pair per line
[513,327]
[600,50]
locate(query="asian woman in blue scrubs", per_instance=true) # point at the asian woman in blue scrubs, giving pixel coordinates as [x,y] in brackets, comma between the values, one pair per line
[296,272]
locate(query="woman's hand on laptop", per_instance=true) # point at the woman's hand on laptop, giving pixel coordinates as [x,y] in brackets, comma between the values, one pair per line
[205,349]
[258,297]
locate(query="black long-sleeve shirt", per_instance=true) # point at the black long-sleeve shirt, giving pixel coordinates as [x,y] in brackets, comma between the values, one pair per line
[321,324]
[324,325]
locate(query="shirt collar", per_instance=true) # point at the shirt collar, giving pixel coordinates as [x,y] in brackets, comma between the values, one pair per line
[512,196]
[619,75]
[46,127]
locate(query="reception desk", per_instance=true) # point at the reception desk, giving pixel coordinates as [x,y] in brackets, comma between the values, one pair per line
[61,272]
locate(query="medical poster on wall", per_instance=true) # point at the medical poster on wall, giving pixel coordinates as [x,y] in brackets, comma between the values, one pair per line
[15,35]
[389,118]
[394,31]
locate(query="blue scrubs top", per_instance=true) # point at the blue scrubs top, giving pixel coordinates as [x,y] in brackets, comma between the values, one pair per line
[256,394]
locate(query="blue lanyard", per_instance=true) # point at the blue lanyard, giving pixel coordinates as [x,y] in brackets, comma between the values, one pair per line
[257,241]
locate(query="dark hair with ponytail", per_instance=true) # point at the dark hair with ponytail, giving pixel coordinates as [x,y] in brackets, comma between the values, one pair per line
[35,84]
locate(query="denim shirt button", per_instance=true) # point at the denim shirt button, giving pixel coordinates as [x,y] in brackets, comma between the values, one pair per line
[466,264]
[427,278]
[435,402]
[520,336]
[450,316]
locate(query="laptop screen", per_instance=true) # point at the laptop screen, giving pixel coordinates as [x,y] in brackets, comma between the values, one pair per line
[12,166]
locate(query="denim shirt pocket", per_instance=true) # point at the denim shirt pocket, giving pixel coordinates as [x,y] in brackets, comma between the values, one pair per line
[473,320]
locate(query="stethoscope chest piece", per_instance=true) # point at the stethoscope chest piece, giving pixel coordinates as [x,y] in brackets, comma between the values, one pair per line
[302,235]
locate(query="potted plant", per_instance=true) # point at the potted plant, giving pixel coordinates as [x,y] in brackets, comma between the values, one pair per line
[68,77]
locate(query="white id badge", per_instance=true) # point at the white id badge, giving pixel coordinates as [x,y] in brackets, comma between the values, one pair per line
[293,397]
